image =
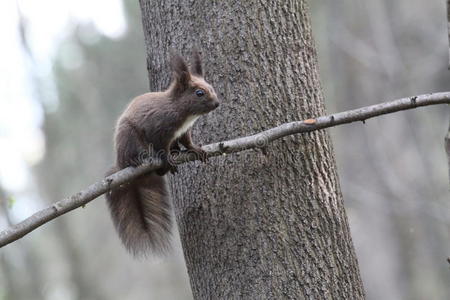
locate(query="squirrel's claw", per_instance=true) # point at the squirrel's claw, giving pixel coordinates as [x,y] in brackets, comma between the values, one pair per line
[200,153]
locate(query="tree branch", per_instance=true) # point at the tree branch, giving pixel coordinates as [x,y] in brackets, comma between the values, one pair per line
[254,141]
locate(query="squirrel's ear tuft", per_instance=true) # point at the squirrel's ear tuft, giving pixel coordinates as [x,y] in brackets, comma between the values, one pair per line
[196,63]
[180,72]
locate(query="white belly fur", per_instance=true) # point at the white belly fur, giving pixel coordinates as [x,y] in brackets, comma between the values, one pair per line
[185,127]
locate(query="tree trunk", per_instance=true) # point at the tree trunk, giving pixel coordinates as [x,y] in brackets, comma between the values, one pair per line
[266,224]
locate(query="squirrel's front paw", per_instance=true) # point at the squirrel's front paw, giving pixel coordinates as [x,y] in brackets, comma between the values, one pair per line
[167,167]
[173,169]
[200,153]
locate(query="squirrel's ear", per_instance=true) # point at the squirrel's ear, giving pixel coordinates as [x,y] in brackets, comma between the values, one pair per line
[196,63]
[180,72]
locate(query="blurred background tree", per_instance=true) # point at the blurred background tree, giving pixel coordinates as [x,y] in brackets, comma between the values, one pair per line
[392,169]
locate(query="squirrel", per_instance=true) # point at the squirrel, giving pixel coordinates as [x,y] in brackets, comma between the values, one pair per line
[156,123]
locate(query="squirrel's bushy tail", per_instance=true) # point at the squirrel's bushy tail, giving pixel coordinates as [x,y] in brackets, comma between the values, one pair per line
[141,213]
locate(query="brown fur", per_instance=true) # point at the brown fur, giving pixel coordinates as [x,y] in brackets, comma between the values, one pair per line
[141,210]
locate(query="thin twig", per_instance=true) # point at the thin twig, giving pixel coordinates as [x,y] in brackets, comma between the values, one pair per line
[254,141]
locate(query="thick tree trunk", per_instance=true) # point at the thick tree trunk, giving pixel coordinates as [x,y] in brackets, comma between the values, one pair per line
[266,224]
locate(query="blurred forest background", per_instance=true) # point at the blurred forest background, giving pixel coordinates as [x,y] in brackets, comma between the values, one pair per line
[393,169]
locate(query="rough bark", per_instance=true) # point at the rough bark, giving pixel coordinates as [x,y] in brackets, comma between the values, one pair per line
[265,225]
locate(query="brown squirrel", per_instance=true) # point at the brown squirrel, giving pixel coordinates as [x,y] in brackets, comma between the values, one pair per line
[152,125]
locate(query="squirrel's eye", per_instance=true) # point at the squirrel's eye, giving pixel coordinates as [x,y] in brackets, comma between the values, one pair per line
[200,92]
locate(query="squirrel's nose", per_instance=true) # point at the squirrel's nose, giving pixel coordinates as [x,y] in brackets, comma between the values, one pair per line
[216,104]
